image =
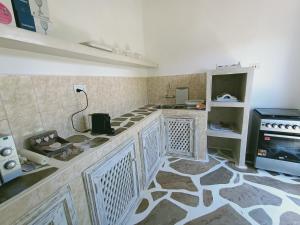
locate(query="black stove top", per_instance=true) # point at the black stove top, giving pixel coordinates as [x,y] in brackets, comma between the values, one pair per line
[279,113]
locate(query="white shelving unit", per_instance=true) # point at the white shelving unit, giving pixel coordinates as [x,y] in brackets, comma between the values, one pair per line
[224,134]
[227,104]
[238,82]
[20,39]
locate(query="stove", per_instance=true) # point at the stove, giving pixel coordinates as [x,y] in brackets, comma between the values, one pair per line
[276,139]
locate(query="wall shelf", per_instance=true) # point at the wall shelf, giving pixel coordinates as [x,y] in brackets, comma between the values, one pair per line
[20,39]
[224,134]
[227,104]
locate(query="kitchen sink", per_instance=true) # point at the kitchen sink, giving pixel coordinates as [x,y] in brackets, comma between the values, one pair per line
[171,106]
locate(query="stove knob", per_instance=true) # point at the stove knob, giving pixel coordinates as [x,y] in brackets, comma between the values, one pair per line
[6,151]
[10,164]
[281,126]
[288,127]
[274,125]
[268,125]
[296,127]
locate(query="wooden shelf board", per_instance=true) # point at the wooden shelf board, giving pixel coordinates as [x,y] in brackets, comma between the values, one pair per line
[224,134]
[227,104]
[20,39]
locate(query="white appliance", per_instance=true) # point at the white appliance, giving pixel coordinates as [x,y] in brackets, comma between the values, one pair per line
[10,166]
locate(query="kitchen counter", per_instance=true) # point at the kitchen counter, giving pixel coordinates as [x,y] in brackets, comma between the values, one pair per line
[97,148]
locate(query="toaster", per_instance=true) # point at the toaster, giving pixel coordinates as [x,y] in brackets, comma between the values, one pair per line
[10,166]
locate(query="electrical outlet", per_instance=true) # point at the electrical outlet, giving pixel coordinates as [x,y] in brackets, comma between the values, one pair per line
[79,86]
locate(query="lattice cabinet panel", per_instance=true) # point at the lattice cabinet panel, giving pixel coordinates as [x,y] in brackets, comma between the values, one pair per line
[150,138]
[57,210]
[112,187]
[179,136]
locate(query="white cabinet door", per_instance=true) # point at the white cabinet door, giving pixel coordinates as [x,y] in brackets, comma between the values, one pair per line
[179,135]
[112,186]
[57,210]
[151,142]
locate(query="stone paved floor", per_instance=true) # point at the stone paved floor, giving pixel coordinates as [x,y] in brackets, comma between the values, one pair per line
[217,193]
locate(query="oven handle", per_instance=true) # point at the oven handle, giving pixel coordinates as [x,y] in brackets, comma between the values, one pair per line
[282,136]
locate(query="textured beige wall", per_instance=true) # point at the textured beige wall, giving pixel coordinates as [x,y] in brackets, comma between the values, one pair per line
[30,104]
[158,86]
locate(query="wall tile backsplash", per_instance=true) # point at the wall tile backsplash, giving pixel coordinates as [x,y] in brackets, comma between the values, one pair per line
[158,87]
[31,104]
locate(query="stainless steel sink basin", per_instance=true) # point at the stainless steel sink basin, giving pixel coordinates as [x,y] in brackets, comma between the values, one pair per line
[171,106]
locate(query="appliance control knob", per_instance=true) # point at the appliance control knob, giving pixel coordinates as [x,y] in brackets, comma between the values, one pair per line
[10,164]
[296,127]
[281,126]
[274,125]
[268,125]
[288,127]
[6,151]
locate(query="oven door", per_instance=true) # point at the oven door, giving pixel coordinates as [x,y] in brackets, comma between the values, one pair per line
[280,146]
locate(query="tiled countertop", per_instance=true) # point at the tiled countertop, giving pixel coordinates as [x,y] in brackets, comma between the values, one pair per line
[120,124]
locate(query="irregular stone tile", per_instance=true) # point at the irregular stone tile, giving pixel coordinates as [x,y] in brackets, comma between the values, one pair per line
[143,206]
[226,153]
[246,195]
[164,213]
[119,119]
[249,169]
[169,180]
[207,197]
[219,176]
[129,124]
[172,159]
[77,138]
[193,167]
[296,200]
[152,185]
[135,119]
[115,124]
[290,218]
[212,151]
[223,215]
[158,194]
[261,217]
[237,179]
[97,141]
[268,181]
[146,114]
[186,199]
[273,173]
[127,115]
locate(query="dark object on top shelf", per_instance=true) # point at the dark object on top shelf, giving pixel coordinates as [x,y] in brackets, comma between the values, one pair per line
[101,124]
[23,16]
